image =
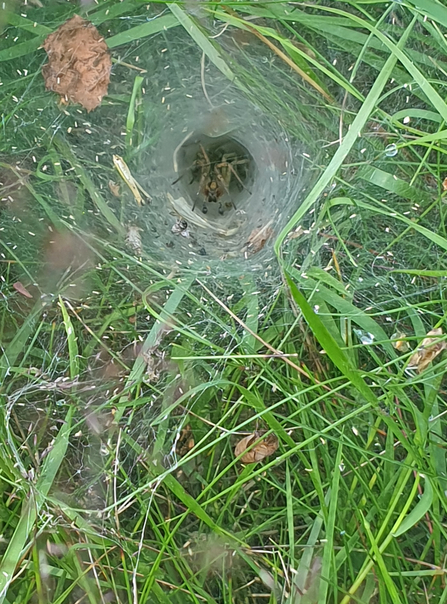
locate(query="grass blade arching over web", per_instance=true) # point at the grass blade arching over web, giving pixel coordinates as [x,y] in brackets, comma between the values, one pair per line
[264,34]
[142,31]
[351,136]
[419,510]
[331,347]
[202,40]
[339,358]
[344,306]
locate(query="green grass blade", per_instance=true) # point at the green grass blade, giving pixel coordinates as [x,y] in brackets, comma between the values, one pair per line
[142,31]
[298,590]
[381,208]
[431,94]
[22,49]
[333,350]
[418,512]
[328,553]
[152,339]
[393,184]
[73,352]
[85,179]
[378,558]
[431,10]
[202,40]
[130,122]
[351,137]
[17,344]
[32,506]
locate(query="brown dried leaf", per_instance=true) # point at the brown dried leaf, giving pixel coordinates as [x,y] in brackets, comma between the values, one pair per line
[257,447]
[133,239]
[257,239]
[185,441]
[21,289]
[444,184]
[114,188]
[155,363]
[428,350]
[79,63]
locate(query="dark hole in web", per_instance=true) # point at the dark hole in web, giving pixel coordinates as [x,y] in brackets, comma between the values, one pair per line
[215,174]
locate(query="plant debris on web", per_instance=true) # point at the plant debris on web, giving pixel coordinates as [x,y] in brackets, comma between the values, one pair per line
[257,239]
[399,342]
[257,447]
[429,349]
[21,289]
[79,63]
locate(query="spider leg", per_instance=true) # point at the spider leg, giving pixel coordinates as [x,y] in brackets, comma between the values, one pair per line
[220,176]
[177,179]
[205,155]
[230,165]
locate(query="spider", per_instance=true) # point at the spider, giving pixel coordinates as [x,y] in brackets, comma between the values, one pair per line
[215,182]
[215,176]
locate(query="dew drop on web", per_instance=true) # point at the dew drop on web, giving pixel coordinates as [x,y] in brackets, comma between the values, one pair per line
[391,150]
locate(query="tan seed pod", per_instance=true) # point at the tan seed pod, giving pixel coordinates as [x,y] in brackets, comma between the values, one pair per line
[257,447]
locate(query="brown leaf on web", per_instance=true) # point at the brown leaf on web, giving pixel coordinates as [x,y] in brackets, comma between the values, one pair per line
[79,63]
[257,447]
[114,188]
[428,350]
[21,289]
[257,240]
[185,441]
